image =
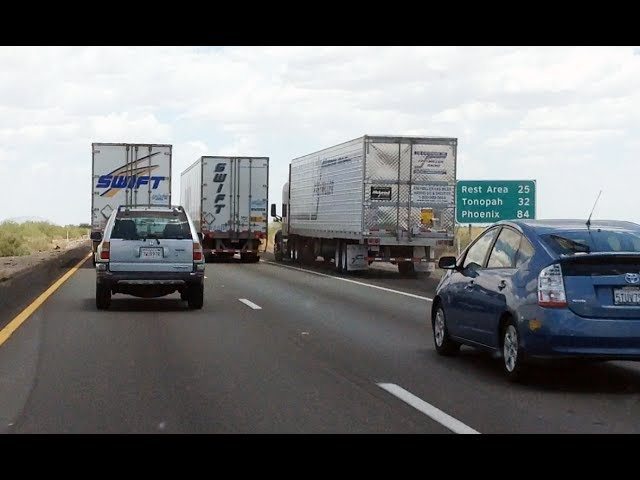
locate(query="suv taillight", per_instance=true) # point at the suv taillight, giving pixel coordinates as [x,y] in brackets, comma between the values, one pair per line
[197,252]
[551,287]
[104,251]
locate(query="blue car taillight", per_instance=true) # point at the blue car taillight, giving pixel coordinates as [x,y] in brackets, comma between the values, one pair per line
[551,287]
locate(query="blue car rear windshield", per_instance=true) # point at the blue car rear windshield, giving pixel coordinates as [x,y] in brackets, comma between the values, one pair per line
[140,225]
[596,240]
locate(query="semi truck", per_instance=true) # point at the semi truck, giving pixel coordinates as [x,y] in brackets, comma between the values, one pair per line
[371,199]
[127,174]
[227,198]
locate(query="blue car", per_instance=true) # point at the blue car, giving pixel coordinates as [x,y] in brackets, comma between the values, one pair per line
[543,289]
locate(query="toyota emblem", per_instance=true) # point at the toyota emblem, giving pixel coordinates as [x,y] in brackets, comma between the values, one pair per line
[632,278]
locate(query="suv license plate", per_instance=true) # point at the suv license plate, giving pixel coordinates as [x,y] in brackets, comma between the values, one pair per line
[151,253]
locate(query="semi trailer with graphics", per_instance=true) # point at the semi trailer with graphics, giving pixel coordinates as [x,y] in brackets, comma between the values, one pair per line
[227,198]
[127,174]
[372,199]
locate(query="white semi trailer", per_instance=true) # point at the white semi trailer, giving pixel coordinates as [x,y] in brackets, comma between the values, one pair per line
[227,198]
[127,174]
[372,199]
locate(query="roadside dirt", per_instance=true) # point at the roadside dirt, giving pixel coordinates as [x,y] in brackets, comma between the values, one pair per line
[12,266]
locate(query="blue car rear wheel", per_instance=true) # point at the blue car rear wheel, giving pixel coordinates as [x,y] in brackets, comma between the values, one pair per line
[512,353]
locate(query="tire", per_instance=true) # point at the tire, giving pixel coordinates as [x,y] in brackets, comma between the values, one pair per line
[249,258]
[183,296]
[277,247]
[443,343]
[306,255]
[345,268]
[103,297]
[339,257]
[406,268]
[512,355]
[195,296]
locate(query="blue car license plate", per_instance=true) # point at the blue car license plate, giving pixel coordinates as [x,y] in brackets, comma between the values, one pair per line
[626,296]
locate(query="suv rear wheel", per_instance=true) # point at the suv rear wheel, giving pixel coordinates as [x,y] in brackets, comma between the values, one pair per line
[195,296]
[103,297]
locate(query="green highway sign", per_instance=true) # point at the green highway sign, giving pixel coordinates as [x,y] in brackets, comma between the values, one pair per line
[487,201]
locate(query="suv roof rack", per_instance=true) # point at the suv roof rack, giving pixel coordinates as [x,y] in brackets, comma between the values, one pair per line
[127,208]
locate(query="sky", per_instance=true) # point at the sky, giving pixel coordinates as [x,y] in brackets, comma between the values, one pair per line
[568,117]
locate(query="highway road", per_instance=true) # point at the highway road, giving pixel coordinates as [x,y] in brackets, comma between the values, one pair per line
[277,349]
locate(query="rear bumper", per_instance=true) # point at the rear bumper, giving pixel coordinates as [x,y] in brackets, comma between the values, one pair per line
[178,279]
[562,333]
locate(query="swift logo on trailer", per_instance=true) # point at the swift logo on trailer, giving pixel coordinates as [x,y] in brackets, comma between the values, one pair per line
[219,178]
[131,175]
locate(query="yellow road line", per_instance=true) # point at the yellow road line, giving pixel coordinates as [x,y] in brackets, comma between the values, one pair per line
[14,324]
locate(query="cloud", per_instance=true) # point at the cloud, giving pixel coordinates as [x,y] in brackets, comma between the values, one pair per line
[550,113]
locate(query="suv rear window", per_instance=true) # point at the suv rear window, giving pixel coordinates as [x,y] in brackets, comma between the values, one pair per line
[596,240]
[140,225]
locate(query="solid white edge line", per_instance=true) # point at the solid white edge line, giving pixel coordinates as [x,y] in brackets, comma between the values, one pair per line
[426,299]
[249,303]
[434,413]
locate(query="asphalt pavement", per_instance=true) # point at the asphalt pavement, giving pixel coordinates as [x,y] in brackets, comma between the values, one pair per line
[280,348]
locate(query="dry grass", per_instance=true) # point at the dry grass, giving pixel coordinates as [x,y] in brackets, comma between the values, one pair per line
[273,228]
[17,239]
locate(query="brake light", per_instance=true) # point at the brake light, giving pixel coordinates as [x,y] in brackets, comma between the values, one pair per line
[551,287]
[197,252]
[104,251]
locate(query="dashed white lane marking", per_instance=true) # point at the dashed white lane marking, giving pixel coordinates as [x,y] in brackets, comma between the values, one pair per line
[456,426]
[419,297]
[250,304]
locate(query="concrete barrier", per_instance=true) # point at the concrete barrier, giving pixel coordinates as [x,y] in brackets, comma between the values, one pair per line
[19,290]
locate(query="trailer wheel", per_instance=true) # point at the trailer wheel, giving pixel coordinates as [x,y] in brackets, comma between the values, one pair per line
[337,260]
[277,247]
[406,268]
[249,258]
[306,254]
[345,262]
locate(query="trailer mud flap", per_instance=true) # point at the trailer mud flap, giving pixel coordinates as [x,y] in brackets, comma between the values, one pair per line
[357,258]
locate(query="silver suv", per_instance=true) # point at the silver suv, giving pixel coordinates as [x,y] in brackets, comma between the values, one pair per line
[150,252]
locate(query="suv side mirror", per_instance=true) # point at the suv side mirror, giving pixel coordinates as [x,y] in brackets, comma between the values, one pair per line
[447,263]
[96,236]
